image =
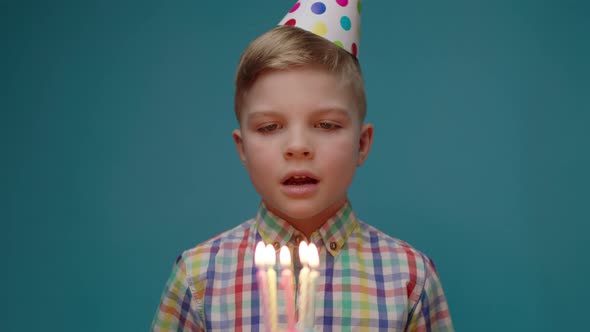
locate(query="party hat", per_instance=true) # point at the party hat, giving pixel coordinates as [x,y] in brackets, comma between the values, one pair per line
[339,21]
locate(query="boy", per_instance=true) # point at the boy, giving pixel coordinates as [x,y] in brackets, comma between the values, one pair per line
[300,104]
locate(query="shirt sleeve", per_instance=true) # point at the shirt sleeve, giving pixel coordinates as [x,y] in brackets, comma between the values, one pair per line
[431,312]
[178,310]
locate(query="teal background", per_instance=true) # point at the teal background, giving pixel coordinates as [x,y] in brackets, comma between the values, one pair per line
[117,154]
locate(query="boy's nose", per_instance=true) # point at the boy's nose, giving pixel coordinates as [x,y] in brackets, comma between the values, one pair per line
[298,149]
[298,152]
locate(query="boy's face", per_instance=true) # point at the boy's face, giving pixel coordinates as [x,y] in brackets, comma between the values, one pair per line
[301,140]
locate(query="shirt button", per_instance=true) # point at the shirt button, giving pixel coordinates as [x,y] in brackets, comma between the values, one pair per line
[333,245]
[277,245]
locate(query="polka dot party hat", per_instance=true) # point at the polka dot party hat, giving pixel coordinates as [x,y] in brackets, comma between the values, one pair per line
[339,21]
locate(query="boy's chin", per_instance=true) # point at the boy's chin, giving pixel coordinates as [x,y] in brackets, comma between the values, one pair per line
[304,213]
[294,213]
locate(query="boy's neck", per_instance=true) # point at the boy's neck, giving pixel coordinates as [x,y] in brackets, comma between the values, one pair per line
[309,225]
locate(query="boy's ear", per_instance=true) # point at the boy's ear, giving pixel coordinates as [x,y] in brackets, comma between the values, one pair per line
[365,142]
[237,136]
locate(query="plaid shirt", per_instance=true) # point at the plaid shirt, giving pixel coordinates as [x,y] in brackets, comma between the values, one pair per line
[368,280]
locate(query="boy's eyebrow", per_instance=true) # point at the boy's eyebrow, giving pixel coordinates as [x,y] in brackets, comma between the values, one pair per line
[336,110]
[319,111]
[255,114]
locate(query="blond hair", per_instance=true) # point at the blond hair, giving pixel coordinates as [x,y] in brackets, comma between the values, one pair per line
[286,47]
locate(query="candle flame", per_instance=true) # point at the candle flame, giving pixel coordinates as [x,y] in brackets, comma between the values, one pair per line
[285,256]
[313,256]
[271,255]
[259,254]
[303,252]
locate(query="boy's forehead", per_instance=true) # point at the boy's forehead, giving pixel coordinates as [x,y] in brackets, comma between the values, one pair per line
[302,69]
[288,92]
[313,83]
[303,73]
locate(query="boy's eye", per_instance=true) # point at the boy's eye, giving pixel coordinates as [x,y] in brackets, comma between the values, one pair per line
[268,128]
[327,125]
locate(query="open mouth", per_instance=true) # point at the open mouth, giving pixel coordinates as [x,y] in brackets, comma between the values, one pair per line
[299,180]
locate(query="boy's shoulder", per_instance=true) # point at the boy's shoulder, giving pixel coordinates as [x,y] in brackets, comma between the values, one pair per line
[228,237]
[375,234]
[391,248]
[197,258]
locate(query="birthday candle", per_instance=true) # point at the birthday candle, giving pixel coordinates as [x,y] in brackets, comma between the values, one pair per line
[314,263]
[271,275]
[260,261]
[303,288]
[287,285]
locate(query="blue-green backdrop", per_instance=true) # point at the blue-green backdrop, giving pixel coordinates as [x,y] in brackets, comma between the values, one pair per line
[117,154]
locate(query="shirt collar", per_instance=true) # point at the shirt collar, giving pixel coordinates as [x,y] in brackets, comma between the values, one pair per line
[332,234]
